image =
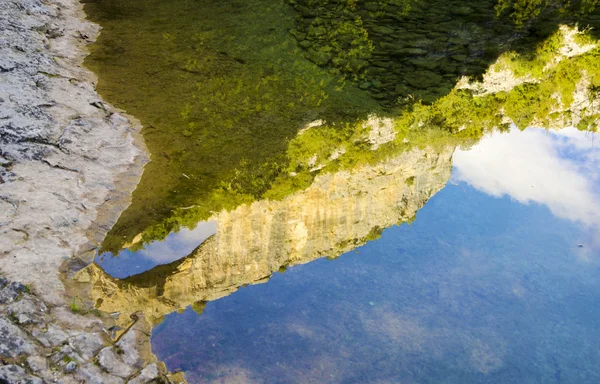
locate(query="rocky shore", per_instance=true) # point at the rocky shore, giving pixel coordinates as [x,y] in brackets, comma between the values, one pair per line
[68,162]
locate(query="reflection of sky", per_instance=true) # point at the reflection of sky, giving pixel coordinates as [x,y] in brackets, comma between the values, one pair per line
[559,169]
[487,285]
[174,247]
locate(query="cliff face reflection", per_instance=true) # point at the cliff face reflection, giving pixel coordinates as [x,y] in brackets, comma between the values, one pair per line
[337,213]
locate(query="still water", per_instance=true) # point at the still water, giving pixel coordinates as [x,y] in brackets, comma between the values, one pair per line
[350,191]
[495,281]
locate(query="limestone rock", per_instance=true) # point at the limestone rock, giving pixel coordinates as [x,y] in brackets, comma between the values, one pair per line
[110,361]
[37,364]
[53,337]
[147,375]
[13,341]
[129,345]
[14,374]
[87,344]
[28,310]
[10,292]
[91,374]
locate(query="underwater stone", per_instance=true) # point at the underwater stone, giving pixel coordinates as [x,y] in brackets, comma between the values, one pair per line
[412,51]
[305,44]
[382,30]
[423,79]
[319,57]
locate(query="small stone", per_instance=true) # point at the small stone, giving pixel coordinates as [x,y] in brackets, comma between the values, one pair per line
[24,319]
[70,367]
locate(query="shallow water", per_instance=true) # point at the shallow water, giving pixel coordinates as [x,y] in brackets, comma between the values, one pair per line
[495,281]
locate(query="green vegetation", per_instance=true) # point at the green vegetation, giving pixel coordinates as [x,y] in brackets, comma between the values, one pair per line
[75,308]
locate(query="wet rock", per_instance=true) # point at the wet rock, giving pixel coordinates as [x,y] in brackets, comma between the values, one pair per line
[13,341]
[111,362]
[148,375]
[13,374]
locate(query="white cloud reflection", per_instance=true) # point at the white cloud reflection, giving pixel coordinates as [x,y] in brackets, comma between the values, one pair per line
[178,244]
[559,169]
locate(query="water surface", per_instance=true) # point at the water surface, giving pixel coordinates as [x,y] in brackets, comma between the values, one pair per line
[329,200]
[495,281]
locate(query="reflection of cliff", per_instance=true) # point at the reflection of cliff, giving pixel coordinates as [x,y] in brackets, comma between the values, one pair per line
[337,213]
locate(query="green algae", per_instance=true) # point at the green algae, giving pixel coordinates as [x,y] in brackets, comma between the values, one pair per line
[223,88]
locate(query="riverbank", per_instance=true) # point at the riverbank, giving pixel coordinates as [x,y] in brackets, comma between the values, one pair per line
[68,163]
